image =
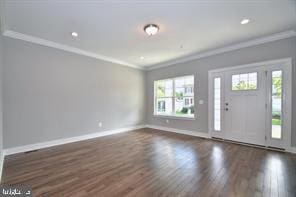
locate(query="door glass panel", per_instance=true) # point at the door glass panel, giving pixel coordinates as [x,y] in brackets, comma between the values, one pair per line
[217,104]
[246,81]
[276,104]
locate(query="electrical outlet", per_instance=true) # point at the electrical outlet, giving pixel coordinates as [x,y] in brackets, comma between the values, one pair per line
[167,121]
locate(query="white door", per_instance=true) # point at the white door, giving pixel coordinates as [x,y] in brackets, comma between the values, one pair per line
[244,105]
[252,104]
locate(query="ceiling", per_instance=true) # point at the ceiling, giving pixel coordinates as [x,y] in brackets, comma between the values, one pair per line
[114,29]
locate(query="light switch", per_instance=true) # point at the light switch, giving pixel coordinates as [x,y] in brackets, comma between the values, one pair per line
[201,102]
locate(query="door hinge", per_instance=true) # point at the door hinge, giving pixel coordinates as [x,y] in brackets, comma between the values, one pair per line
[266,72]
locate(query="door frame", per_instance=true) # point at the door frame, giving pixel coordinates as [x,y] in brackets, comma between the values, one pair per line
[287,96]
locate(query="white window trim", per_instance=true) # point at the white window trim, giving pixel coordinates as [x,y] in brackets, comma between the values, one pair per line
[220,78]
[173,115]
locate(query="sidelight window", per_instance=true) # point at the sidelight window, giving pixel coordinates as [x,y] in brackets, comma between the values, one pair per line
[217,104]
[276,104]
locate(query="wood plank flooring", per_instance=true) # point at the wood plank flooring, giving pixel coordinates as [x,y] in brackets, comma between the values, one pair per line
[148,162]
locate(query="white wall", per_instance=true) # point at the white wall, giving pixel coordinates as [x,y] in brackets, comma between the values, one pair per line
[1,78]
[51,94]
[200,67]
[1,122]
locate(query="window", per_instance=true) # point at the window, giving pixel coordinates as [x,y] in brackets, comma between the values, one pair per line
[276,104]
[246,81]
[174,97]
[217,104]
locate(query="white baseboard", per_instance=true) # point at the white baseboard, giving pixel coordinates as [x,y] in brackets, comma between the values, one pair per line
[291,150]
[47,144]
[1,163]
[185,132]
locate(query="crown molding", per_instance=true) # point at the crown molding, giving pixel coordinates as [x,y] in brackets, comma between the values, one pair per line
[48,43]
[254,42]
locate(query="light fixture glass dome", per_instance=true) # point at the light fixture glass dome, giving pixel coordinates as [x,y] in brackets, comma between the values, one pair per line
[74,34]
[151,29]
[245,21]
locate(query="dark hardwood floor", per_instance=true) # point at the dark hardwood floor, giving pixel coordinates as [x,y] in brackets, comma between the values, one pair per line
[147,162]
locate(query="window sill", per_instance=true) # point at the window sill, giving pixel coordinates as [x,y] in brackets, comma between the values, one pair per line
[173,117]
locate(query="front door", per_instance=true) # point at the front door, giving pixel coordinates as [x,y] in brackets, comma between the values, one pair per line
[247,104]
[244,105]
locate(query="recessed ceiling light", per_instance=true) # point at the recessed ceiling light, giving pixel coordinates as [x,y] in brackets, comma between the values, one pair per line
[151,29]
[74,34]
[142,57]
[245,21]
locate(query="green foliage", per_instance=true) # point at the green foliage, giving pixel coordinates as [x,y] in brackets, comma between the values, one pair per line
[184,110]
[241,86]
[244,86]
[277,84]
[276,118]
[276,122]
[276,115]
[160,91]
[179,95]
[192,109]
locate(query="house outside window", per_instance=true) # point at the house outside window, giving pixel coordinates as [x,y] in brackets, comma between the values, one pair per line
[174,97]
[161,106]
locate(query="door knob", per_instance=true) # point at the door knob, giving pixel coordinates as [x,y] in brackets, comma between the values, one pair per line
[226,109]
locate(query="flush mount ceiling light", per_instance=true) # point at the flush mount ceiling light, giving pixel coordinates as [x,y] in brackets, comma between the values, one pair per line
[151,29]
[245,21]
[74,34]
[142,57]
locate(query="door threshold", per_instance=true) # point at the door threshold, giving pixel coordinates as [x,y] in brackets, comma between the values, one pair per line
[249,144]
[244,143]
[217,139]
